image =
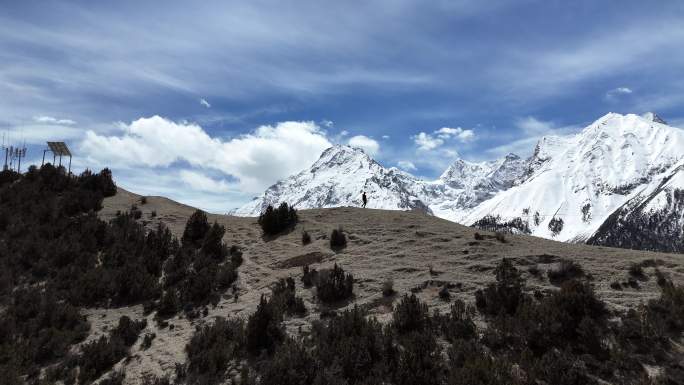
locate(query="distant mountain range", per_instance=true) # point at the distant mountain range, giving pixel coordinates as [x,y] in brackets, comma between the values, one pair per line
[618,182]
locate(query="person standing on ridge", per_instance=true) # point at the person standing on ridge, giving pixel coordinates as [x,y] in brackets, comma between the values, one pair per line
[364,198]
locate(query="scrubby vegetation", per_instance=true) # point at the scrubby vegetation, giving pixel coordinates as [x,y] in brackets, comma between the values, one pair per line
[306,238]
[567,336]
[274,221]
[334,285]
[56,255]
[100,355]
[567,269]
[309,276]
[200,270]
[338,239]
[284,298]
[497,224]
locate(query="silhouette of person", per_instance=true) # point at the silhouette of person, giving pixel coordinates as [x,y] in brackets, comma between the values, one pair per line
[364,198]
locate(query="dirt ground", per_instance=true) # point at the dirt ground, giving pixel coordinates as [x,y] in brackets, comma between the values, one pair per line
[419,253]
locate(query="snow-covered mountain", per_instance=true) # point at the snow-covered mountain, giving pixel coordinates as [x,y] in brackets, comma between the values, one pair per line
[574,183]
[338,178]
[651,220]
[464,185]
[621,173]
[342,173]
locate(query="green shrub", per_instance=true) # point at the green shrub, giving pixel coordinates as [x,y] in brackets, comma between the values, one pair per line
[410,315]
[306,238]
[235,256]
[284,298]
[444,293]
[98,357]
[264,329]
[662,279]
[309,276]
[291,364]
[211,350]
[147,341]
[212,243]
[505,294]
[420,361]
[636,271]
[567,269]
[355,348]
[338,239]
[36,330]
[275,221]
[196,228]
[458,324]
[128,330]
[334,285]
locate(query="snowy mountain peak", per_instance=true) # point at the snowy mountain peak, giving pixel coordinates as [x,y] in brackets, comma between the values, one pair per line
[340,154]
[653,117]
[569,188]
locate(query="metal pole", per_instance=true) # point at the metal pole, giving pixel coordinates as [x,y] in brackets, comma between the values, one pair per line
[43,162]
[69,165]
[60,160]
[54,158]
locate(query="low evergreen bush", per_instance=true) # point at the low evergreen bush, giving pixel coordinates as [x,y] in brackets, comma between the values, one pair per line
[334,285]
[338,239]
[274,221]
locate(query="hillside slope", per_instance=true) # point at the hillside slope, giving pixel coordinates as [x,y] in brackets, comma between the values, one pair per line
[420,253]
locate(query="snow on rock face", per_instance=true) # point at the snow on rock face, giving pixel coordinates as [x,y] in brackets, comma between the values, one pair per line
[566,190]
[653,219]
[338,178]
[342,173]
[584,178]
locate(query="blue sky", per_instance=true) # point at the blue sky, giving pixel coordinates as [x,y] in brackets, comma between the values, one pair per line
[209,103]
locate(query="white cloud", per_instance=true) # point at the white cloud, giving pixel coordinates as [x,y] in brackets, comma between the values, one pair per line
[385,136]
[406,165]
[327,123]
[439,137]
[369,145]
[257,159]
[205,103]
[458,132]
[426,142]
[344,133]
[200,182]
[617,92]
[51,120]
